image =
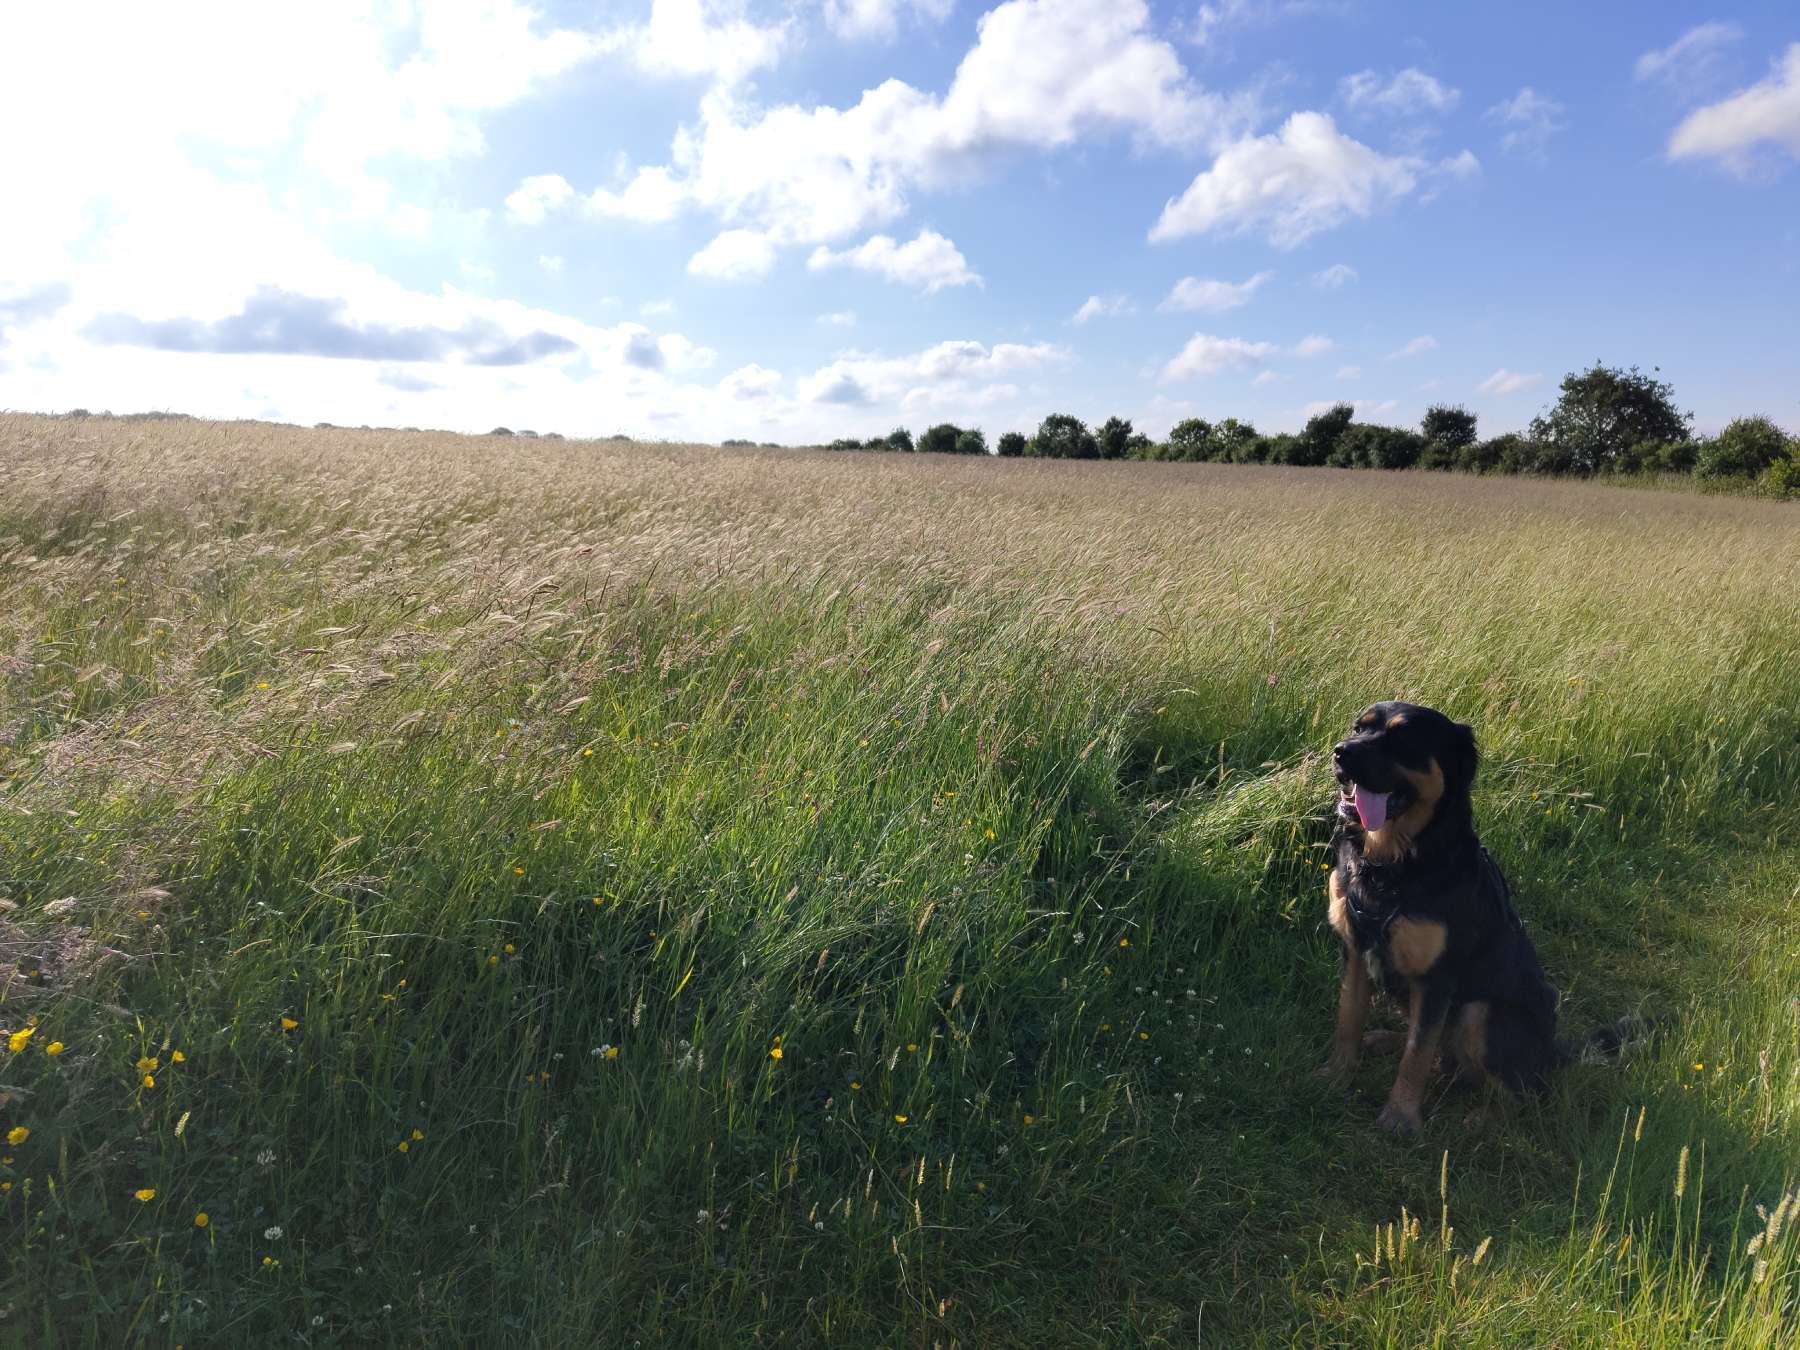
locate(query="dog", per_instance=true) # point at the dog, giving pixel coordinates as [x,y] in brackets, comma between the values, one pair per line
[1425,913]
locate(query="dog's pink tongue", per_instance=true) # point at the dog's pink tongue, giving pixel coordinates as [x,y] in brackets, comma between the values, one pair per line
[1371,808]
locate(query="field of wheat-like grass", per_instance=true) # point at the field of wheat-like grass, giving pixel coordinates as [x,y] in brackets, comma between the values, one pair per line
[471,891]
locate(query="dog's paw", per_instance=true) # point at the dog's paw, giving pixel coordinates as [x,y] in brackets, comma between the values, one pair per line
[1336,1069]
[1384,1042]
[1399,1120]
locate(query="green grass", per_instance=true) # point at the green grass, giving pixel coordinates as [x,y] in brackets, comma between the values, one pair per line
[531,803]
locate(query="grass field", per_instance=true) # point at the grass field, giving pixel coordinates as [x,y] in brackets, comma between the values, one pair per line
[618,894]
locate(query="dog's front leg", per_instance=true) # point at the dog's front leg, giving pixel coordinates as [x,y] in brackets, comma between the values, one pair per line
[1427,1007]
[1354,992]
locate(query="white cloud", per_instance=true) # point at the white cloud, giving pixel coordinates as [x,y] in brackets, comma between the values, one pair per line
[1530,119]
[951,373]
[655,308]
[1349,372]
[1693,61]
[1408,94]
[1306,178]
[734,255]
[1314,345]
[1204,293]
[1266,377]
[550,262]
[1765,113]
[750,382]
[1102,306]
[710,38]
[1417,347]
[859,19]
[1504,381]
[1335,277]
[1205,354]
[841,318]
[1042,75]
[929,262]
[536,197]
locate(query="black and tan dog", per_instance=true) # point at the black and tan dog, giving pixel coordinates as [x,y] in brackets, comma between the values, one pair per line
[1425,913]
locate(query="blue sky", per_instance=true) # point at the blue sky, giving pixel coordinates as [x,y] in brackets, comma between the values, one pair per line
[797,219]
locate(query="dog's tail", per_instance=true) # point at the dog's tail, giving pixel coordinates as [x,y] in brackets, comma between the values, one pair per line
[1607,1043]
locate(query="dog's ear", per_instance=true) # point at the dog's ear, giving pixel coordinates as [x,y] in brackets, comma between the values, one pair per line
[1461,757]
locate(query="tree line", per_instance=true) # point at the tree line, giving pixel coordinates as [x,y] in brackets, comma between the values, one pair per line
[1605,422]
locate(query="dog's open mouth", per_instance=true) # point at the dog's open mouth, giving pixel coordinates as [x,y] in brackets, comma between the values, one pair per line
[1368,807]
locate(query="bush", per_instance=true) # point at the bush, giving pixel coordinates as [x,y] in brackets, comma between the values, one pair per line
[1060,436]
[1783,476]
[1484,456]
[1140,446]
[845,443]
[501,431]
[940,440]
[1114,438]
[1744,449]
[900,439]
[1604,413]
[1266,449]
[971,442]
[1011,445]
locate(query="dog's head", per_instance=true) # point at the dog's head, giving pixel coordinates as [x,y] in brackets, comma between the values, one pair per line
[1400,765]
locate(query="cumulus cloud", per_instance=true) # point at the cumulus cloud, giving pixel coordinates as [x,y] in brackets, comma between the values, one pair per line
[1530,119]
[1102,306]
[1041,75]
[861,19]
[961,373]
[536,197]
[710,38]
[1410,93]
[1204,293]
[750,382]
[1417,347]
[928,263]
[1205,354]
[1504,381]
[1349,372]
[1306,178]
[735,255]
[1693,62]
[839,318]
[1335,277]
[1314,345]
[21,305]
[1765,114]
[274,321]
[406,380]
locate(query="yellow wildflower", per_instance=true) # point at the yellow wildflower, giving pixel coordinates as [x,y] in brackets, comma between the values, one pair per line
[612,1052]
[18,1040]
[18,1134]
[1031,1120]
[149,1080]
[899,1120]
[508,949]
[1124,942]
[404,1146]
[178,1057]
[146,1195]
[146,1063]
[493,960]
[418,1134]
[54,1048]
[775,1053]
[911,1048]
[855,1086]
[202,1219]
[288,1024]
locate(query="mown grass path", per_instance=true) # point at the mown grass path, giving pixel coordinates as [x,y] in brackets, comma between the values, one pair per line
[615,894]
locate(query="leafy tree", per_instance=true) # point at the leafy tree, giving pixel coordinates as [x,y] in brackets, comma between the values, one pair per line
[900,439]
[1140,446]
[1276,449]
[1783,477]
[1448,431]
[1114,438]
[1485,456]
[1060,436]
[1232,441]
[1364,445]
[1603,413]
[1319,437]
[1191,440]
[1743,450]
[845,443]
[940,440]
[971,442]
[1011,445]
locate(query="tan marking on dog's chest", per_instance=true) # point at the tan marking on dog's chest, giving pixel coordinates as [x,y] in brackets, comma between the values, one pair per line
[1414,945]
[1395,839]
